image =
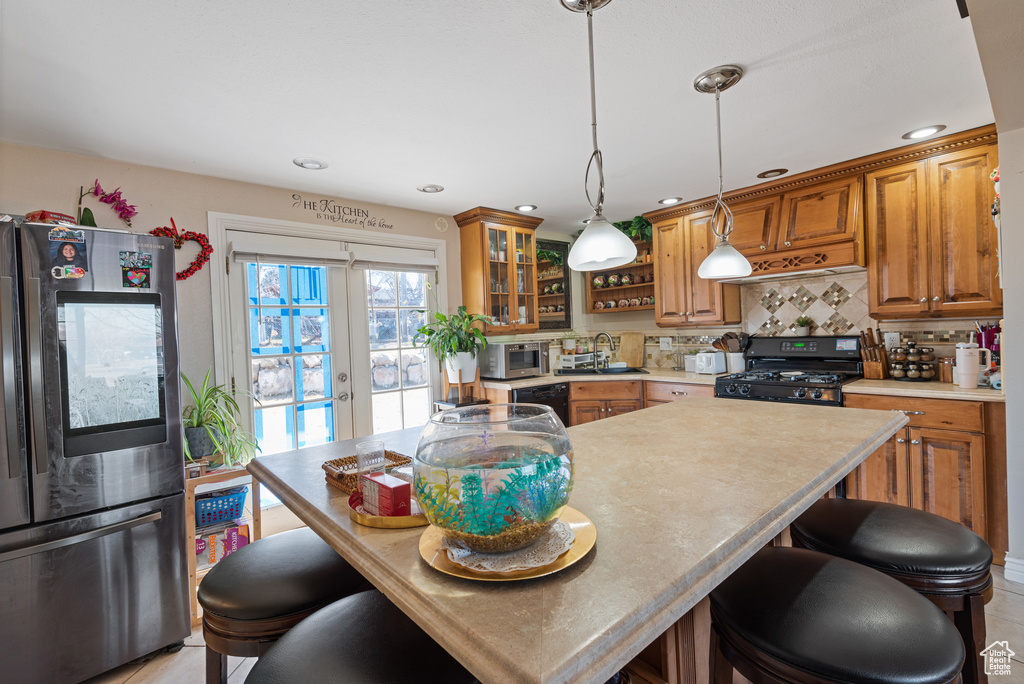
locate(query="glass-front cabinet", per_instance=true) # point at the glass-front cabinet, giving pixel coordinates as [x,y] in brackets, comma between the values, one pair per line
[499,269]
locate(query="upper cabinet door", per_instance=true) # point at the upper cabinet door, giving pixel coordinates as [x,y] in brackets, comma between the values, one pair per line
[670,274]
[897,240]
[821,214]
[963,236]
[704,304]
[755,227]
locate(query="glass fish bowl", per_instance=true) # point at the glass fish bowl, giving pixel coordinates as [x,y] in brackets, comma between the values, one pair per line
[494,477]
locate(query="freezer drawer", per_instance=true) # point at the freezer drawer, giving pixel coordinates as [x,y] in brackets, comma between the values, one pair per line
[81,596]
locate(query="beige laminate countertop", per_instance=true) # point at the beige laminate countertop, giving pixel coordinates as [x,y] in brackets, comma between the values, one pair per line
[674,517]
[892,388]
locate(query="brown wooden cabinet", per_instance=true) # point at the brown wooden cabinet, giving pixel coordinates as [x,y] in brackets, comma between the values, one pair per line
[931,240]
[936,463]
[499,268]
[683,298]
[590,401]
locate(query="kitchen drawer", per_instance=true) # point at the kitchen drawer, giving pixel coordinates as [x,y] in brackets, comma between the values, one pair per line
[605,389]
[673,391]
[930,413]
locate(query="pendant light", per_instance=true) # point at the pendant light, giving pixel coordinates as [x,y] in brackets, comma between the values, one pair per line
[725,261]
[601,245]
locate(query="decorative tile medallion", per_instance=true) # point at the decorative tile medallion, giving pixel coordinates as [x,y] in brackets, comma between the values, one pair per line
[772,300]
[802,298]
[837,325]
[836,295]
[772,327]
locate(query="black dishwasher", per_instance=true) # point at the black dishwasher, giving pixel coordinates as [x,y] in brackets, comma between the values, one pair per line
[556,396]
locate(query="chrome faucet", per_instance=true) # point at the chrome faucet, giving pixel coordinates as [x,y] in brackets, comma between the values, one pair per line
[611,347]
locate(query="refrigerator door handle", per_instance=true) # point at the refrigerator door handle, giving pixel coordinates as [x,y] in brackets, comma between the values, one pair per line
[35,376]
[79,538]
[10,405]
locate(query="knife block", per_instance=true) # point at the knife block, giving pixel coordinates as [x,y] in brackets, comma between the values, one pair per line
[876,370]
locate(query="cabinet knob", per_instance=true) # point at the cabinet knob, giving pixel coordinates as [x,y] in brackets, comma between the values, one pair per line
[900,440]
[788,243]
[915,441]
[935,298]
[689,313]
[924,299]
[763,248]
[679,394]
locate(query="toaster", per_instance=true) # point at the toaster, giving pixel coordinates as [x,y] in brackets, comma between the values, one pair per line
[710,363]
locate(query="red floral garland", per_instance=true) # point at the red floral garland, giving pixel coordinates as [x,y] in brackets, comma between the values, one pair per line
[205,250]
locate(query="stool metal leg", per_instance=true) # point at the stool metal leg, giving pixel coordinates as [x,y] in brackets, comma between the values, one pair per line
[216,667]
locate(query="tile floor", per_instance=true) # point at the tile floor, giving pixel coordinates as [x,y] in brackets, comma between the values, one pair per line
[1004,617]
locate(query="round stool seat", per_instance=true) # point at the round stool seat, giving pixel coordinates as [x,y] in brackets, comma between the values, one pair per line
[815,614]
[361,639]
[282,574]
[897,540]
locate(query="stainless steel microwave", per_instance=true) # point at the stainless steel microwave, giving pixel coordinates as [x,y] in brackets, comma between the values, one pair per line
[508,360]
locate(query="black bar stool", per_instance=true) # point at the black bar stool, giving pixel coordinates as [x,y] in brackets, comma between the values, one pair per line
[254,596]
[940,559]
[362,639]
[803,617]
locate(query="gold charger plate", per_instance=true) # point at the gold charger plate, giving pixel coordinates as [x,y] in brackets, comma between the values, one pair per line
[437,558]
[387,522]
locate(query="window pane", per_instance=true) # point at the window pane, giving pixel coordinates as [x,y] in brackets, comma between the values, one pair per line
[414,369]
[316,424]
[273,380]
[384,371]
[312,331]
[268,334]
[412,289]
[382,288]
[314,379]
[416,407]
[383,329]
[275,429]
[411,321]
[387,412]
[271,276]
[309,285]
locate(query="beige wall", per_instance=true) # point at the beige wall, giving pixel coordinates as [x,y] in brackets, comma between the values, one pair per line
[33,178]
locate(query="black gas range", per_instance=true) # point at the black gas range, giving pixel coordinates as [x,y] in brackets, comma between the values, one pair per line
[799,370]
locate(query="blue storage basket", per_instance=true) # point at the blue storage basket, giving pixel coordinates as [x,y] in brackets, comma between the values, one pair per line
[220,508]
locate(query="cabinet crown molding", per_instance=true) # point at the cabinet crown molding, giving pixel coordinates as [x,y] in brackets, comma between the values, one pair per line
[505,218]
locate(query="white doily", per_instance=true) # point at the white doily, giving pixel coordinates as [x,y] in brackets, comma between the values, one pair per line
[553,544]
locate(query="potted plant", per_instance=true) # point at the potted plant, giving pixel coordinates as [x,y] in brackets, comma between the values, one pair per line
[569,341]
[803,325]
[639,229]
[212,427]
[455,340]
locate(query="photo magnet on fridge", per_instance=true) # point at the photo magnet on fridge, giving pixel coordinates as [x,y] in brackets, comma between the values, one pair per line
[135,269]
[69,257]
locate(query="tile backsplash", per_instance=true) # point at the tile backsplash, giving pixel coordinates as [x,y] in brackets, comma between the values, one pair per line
[836,304]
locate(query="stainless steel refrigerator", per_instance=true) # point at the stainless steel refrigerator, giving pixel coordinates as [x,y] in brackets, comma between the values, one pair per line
[93,571]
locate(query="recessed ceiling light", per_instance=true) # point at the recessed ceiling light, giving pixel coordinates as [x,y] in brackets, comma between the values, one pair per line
[526,207]
[670,200]
[430,189]
[309,163]
[925,132]
[772,173]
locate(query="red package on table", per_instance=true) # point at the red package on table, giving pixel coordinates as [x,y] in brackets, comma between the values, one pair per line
[385,495]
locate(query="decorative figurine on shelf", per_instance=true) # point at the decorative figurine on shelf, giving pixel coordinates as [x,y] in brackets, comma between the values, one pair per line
[599,282]
[613,280]
[626,279]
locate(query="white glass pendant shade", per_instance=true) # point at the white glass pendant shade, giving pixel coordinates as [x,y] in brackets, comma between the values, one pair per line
[725,261]
[601,246]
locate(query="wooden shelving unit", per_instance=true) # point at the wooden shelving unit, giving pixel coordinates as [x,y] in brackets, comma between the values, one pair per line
[619,292]
[229,478]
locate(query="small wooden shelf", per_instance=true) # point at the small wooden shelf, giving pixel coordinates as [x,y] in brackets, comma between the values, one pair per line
[558,277]
[622,309]
[630,267]
[614,288]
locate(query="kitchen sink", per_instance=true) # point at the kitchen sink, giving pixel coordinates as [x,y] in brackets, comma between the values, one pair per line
[598,371]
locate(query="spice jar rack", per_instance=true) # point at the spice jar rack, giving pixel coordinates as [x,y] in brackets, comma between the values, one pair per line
[911,363]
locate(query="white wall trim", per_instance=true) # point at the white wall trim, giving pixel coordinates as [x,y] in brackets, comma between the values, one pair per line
[219,223]
[1014,570]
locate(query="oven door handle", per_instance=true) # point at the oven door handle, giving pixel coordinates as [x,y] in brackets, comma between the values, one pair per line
[79,538]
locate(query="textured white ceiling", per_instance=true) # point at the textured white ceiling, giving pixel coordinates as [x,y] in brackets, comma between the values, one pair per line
[487,99]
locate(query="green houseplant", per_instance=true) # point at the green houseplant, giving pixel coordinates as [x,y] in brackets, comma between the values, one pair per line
[212,427]
[455,340]
[803,325]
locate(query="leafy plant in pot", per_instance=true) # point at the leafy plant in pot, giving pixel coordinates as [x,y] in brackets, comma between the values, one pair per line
[803,325]
[212,427]
[455,341]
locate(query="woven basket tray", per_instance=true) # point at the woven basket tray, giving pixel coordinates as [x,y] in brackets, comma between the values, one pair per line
[342,473]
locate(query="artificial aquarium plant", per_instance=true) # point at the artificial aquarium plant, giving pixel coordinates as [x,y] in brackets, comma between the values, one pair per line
[213,417]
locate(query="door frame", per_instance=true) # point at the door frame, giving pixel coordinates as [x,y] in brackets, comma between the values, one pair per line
[220,223]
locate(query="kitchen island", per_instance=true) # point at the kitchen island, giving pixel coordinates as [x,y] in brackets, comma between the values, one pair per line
[681,495]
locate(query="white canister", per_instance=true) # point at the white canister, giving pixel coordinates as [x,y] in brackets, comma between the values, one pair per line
[690,363]
[735,363]
[968,363]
